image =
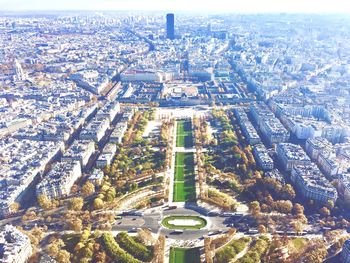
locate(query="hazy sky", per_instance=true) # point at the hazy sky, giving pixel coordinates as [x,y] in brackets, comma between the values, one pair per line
[245,6]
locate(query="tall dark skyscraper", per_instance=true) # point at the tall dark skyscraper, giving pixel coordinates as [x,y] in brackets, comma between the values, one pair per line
[170,34]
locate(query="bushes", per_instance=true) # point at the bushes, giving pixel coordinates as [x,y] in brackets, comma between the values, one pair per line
[256,252]
[115,252]
[227,253]
[137,249]
[222,199]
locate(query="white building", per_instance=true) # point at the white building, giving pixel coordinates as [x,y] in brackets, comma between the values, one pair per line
[312,184]
[15,246]
[95,130]
[290,155]
[107,155]
[79,151]
[315,146]
[262,157]
[141,75]
[59,181]
[110,110]
[118,133]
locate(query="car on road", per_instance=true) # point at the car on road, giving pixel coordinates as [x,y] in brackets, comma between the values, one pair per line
[172,207]
[253,231]
[176,232]
[132,230]
[212,233]
[227,214]
[132,213]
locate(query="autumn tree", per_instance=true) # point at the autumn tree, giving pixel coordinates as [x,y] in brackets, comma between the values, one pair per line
[325,211]
[298,227]
[287,192]
[76,204]
[63,256]
[98,203]
[262,229]
[14,207]
[298,209]
[74,224]
[254,208]
[315,252]
[88,189]
[44,202]
[284,206]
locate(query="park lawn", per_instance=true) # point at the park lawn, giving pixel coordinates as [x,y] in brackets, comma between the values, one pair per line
[184,255]
[184,134]
[183,192]
[184,181]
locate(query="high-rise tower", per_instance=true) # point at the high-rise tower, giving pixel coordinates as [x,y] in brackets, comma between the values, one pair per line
[170,31]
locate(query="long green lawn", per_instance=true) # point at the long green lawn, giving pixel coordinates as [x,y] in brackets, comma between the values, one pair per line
[184,134]
[184,180]
[184,255]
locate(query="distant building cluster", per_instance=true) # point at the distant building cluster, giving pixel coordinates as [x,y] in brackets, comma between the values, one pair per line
[305,175]
[22,161]
[247,128]
[268,124]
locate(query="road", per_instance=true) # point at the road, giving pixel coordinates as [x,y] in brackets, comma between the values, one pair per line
[152,218]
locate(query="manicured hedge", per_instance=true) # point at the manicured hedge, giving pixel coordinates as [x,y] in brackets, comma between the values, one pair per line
[137,249]
[115,252]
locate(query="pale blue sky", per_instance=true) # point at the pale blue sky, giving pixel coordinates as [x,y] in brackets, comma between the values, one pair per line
[245,6]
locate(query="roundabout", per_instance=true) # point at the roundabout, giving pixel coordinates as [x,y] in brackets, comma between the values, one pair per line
[182,222]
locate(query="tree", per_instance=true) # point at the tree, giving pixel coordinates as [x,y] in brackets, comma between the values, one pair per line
[284,206]
[100,257]
[76,204]
[86,252]
[44,202]
[288,192]
[38,233]
[262,229]
[254,208]
[325,211]
[301,218]
[110,195]
[98,203]
[88,189]
[63,256]
[330,204]
[54,247]
[14,207]
[316,252]
[298,209]
[297,226]
[75,224]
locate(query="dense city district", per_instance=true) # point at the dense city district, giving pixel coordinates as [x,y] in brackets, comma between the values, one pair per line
[173,138]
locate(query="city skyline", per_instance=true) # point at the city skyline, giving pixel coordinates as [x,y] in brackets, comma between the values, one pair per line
[220,6]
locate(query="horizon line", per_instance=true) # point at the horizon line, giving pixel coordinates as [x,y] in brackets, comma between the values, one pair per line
[177,11]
